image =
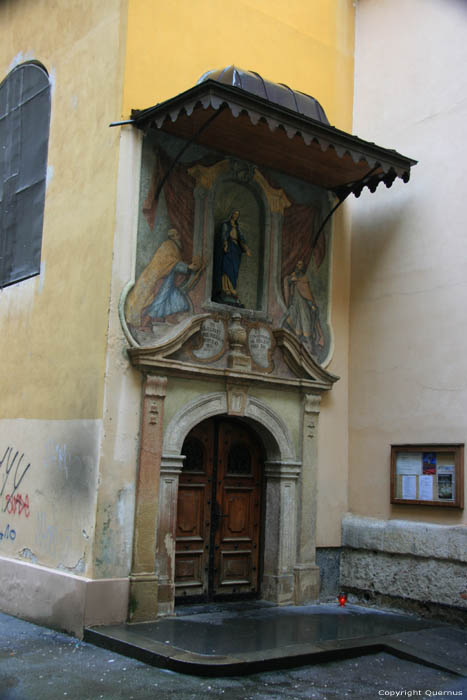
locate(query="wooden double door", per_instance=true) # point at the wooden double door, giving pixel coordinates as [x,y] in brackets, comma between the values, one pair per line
[219,513]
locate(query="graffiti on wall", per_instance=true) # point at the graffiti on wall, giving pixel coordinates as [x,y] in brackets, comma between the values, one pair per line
[7,534]
[17,504]
[65,480]
[13,469]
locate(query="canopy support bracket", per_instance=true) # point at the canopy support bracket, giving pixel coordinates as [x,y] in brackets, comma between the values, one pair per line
[204,126]
[342,193]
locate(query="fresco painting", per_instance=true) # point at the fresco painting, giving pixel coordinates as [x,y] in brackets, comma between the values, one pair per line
[237,250]
[161,291]
[302,316]
[217,235]
[229,248]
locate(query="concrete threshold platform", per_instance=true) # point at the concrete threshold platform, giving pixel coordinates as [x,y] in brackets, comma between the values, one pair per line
[243,638]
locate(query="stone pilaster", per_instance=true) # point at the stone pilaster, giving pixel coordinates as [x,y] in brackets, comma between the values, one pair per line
[171,467]
[143,582]
[280,541]
[306,572]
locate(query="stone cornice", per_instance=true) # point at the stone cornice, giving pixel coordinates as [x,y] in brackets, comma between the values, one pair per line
[309,376]
[300,361]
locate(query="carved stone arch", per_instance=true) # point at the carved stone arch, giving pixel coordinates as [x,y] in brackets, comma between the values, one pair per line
[188,416]
[273,431]
[282,471]
[268,424]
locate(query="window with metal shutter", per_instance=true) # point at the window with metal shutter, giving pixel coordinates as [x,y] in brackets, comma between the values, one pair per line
[24,136]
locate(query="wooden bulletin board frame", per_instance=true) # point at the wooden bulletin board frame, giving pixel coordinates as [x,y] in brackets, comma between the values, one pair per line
[428,475]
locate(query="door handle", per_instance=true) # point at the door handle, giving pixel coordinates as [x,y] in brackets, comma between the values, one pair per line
[217,511]
[218,515]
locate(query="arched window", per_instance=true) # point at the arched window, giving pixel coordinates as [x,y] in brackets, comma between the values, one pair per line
[24,136]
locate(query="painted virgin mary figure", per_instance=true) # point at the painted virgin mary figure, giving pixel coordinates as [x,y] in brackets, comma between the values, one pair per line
[229,247]
[302,315]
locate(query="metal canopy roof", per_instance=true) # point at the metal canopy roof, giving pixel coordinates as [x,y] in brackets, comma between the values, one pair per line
[278,93]
[279,135]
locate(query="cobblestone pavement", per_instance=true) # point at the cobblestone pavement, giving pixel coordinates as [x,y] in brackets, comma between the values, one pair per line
[39,664]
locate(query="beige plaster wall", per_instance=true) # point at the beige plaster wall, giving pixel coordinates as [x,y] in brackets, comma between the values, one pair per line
[409,252]
[122,395]
[333,440]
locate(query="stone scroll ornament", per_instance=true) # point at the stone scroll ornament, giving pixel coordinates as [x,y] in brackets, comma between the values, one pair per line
[261,344]
[212,340]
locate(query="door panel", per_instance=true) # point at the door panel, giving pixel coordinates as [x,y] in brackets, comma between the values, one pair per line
[194,513]
[191,511]
[236,553]
[235,568]
[189,572]
[238,506]
[219,512]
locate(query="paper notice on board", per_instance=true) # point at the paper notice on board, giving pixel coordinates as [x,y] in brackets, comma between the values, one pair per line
[446,469]
[429,462]
[409,486]
[425,487]
[446,483]
[409,463]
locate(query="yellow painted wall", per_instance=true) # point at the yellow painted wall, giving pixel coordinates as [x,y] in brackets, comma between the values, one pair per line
[306,44]
[53,327]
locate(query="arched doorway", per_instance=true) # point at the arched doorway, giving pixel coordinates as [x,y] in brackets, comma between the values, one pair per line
[289,573]
[219,513]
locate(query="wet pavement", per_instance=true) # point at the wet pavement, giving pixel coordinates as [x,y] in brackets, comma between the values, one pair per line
[240,638]
[40,664]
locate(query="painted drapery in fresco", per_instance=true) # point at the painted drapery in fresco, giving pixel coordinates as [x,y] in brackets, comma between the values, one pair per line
[208,203]
[178,192]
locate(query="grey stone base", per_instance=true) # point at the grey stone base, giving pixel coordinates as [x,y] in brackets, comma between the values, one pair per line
[404,576]
[328,560]
[435,611]
[306,589]
[404,560]
[278,589]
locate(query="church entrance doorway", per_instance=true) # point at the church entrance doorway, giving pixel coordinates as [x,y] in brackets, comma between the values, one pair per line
[219,513]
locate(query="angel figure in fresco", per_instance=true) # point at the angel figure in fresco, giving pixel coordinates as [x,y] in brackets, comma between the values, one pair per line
[302,315]
[157,293]
[228,250]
